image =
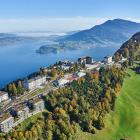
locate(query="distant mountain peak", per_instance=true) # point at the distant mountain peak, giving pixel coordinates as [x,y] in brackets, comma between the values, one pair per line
[115,31]
[119,20]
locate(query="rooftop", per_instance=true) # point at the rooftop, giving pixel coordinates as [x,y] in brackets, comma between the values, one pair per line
[35,78]
[20,107]
[4,116]
[36,100]
[3,93]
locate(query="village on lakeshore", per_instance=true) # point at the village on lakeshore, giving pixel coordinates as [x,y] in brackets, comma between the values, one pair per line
[15,111]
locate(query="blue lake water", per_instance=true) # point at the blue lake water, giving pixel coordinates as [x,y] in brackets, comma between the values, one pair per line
[18,61]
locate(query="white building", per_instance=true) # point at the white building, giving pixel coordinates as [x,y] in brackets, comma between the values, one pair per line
[123,60]
[92,66]
[6,123]
[108,59]
[38,106]
[3,96]
[61,82]
[81,74]
[35,82]
[64,67]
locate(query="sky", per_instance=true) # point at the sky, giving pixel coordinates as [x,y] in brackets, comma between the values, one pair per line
[63,15]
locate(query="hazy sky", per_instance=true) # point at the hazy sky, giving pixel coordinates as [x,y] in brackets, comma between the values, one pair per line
[63,15]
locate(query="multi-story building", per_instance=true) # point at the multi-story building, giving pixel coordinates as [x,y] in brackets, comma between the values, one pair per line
[17,114]
[39,105]
[85,60]
[3,96]
[108,59]
[89,60]
[35,82]
[61,82]
[6,122]
[80,74]
[94,65]
[22,112]
[36,105]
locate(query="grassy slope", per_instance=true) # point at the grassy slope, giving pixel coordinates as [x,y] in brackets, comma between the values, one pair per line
[125,120]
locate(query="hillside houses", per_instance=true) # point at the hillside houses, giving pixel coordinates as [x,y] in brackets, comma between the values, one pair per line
[122,60]
[80,74]
[6,122]
[65,65]
[94,65]
[85,60]
[35,82]
[22,111]
[64,80]
[68,78]
[108,59]
[17,114]
[3,96]
[61,82]
[36,106]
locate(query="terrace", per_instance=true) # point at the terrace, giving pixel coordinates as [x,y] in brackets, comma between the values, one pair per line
[5,116]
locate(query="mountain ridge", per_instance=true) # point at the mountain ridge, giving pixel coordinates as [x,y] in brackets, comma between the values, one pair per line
[116,31]
[130,49]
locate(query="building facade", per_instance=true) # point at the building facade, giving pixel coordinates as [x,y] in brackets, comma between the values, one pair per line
[61,82]
[108,59]
[85,60]
[35,82]
[9,120]
[39,106]
[81,74]
[6,123]
[3,96]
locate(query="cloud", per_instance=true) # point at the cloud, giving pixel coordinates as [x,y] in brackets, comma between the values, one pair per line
[49,24]
[56,25]
[133,19]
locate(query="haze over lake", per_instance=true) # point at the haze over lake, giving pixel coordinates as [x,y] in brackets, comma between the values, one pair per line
[17,61]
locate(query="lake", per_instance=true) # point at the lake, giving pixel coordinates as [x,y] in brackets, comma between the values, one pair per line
[18,61]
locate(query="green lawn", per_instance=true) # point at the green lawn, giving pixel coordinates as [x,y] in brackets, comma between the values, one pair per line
[124,122]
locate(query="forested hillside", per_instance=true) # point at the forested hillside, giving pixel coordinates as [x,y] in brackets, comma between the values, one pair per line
[130,49]
[80,106]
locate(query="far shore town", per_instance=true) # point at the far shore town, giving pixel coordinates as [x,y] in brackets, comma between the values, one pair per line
[14,111]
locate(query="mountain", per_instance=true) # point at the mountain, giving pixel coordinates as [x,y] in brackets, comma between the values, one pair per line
[112,32]
[130,48]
